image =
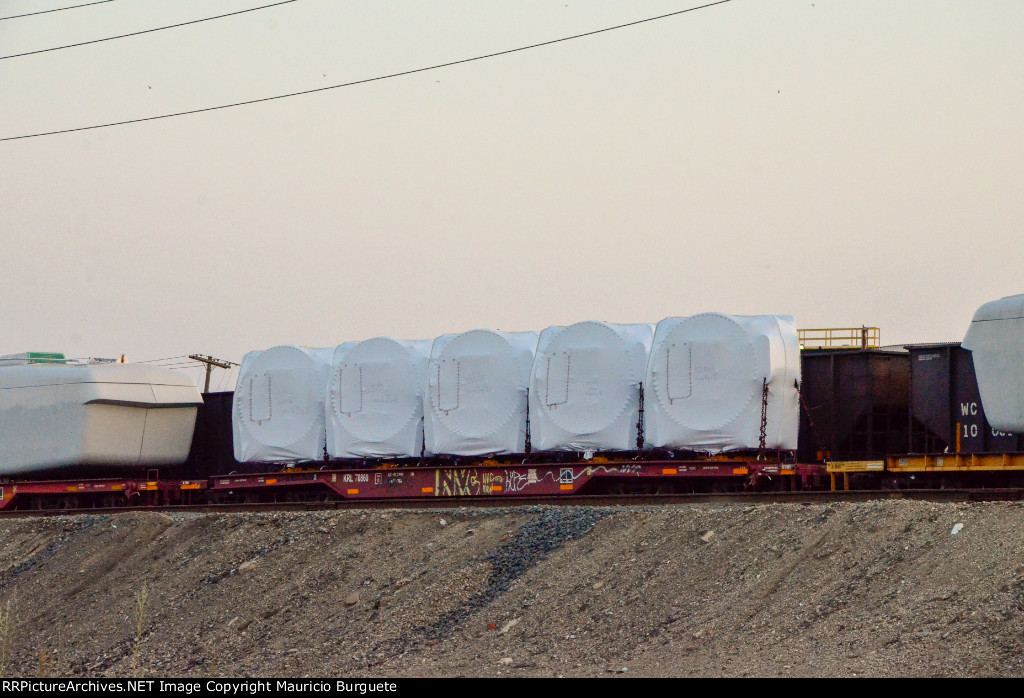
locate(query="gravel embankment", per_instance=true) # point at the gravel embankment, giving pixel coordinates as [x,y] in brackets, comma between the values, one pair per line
[880,588]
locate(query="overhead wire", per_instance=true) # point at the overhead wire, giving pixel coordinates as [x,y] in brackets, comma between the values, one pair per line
[145,31]
[368,80]
[224,378]
[58,9]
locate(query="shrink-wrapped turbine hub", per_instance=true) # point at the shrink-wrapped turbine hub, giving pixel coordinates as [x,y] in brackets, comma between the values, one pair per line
[375,399]
[278,411]
[585,387]
[94,415]
[996,341]
[477,392]
[706,382]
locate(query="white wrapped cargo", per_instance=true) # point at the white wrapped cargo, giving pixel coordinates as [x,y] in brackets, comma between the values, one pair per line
[278,410]
[477,385]
[56,415]
[585,387]
[996,341]
[705,383]
[375,399]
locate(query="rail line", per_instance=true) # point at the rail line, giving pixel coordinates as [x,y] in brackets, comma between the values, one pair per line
[805,498]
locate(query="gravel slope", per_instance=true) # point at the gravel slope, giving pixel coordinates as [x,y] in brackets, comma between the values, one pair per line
[879,589]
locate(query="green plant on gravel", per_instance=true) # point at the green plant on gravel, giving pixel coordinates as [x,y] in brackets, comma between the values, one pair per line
[211,670]
[6,632]
[139,616]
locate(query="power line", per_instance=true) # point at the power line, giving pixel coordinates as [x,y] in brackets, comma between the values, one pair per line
[224,378]
[59,9]
[366,80]
[168,358]
[145,31]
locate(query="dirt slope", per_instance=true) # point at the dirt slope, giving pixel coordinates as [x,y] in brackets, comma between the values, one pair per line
[868,589]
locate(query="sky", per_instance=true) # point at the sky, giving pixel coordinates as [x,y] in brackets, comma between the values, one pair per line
[846,163]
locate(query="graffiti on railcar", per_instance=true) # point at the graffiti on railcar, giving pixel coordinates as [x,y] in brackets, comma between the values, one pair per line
[516,481]
[466,482]
[519,480]
[621,469]
[392,478]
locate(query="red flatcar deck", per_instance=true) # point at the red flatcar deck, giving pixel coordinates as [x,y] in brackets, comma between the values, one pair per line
[420,482]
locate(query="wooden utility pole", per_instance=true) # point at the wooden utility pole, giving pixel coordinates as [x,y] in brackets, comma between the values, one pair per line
[210,363]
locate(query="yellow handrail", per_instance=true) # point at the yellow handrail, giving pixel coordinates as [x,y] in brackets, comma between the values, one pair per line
[840,338]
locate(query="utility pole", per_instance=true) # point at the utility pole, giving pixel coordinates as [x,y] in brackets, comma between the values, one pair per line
[210,363]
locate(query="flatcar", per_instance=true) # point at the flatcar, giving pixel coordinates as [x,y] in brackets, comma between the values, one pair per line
[701,404]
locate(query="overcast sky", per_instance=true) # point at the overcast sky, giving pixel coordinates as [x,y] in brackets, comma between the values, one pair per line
[843,162]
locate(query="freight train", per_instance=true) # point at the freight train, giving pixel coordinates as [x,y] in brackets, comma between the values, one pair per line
[706,403]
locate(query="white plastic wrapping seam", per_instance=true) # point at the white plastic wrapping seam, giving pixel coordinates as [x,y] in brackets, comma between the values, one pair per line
[995,339]
[705,380]
[374,402]
[278,406]
[585,386]
[476,392]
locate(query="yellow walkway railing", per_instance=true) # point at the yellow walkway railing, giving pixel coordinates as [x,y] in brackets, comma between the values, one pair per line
[840,338]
